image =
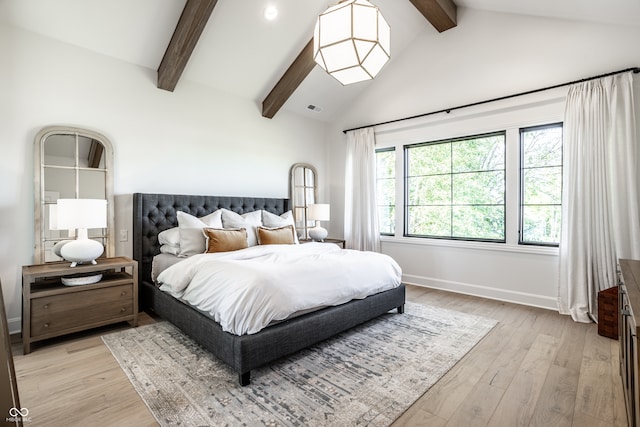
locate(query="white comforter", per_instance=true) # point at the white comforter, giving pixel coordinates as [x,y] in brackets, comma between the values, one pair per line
[245,290]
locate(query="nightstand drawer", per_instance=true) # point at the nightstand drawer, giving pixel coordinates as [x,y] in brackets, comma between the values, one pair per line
[59,312]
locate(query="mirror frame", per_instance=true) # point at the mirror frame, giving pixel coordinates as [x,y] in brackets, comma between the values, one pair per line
[292,199]
[39,190]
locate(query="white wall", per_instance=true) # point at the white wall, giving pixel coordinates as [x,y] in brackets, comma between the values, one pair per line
[192,141]
[489,55]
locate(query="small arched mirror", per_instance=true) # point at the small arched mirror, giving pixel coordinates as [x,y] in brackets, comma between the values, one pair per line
[71,163]
[303,192]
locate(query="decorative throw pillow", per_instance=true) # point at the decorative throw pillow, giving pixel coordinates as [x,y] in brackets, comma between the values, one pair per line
[170,236]
[273,220]
[249,221]
[276,236]
[192,240]
[225,239]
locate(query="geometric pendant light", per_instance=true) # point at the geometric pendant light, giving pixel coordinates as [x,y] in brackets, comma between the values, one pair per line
[352,41]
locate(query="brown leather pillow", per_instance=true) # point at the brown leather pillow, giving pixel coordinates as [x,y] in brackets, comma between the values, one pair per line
[225,239]
[276,236]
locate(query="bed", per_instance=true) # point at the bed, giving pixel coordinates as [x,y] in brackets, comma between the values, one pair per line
[153,213]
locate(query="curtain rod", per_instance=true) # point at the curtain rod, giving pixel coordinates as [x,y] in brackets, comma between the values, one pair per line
[635,70]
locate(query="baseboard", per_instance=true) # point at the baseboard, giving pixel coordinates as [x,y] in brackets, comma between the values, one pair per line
[506,295]
[15,325]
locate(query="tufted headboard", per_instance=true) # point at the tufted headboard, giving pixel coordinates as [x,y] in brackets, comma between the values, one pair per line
[153,213]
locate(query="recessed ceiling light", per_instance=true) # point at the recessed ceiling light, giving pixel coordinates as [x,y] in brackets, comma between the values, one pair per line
[270,13]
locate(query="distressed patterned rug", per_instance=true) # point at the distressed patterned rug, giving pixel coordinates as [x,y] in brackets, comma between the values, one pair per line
[366,376]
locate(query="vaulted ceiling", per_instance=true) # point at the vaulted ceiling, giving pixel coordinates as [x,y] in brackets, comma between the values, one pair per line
[242,53]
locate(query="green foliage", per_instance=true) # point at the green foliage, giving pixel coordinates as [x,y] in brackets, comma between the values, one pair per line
[478,188]
[429,190]
[481,222]
[430,159]
[429,221]
[386,219]
[386,164]
[543,186]
[541,224]
[478,154]
[542,147]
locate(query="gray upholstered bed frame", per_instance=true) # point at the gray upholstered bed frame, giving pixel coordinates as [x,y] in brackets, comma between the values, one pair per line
[153,213]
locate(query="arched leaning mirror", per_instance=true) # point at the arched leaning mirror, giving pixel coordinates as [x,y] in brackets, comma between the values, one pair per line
[71,163]
[303,191]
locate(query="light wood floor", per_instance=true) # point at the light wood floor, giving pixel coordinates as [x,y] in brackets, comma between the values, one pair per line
[536,368]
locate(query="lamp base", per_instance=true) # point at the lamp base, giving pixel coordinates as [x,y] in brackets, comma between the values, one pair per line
[58,247]
[81,251]
[318,233]
[78,280]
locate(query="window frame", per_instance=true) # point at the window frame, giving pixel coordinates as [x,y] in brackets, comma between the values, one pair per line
[407,147]
[395,178]
[521,195]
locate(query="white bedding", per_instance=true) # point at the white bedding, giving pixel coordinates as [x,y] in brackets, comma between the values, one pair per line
[245,290]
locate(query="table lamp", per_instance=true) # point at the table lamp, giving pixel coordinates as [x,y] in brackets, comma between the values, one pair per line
[318,212]
[79,215]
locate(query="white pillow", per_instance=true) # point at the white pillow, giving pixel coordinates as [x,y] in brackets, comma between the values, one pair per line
[274,221]
[169,249]
[170,236]
[249,221]
[192,240]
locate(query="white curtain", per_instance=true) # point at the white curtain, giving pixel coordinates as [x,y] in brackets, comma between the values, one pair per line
[600,215]
[360,210]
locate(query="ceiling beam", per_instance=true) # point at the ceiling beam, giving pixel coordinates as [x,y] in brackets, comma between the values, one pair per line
[442,14]
[192,21]
[289,82]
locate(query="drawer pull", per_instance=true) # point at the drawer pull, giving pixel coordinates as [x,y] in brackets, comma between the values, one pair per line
[46,325]
[123,309]
[123,293]
[46,306]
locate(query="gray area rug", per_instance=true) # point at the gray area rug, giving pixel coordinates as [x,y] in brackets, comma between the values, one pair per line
[366,376]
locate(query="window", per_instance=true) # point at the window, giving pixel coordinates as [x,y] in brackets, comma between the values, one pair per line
[541,184]
[455,189]
[386,189]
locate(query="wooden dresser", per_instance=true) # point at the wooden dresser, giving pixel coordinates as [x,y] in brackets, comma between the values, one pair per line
[51,309]
[629,305]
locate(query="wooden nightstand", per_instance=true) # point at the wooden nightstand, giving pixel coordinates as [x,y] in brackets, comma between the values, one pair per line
[51,309]
[339,242]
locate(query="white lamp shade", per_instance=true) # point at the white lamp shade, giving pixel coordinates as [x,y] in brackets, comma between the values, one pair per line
[80,213]
[319,212]
[352,41]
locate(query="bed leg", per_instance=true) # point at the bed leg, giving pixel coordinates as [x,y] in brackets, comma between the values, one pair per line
[245,378]
[401,309]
